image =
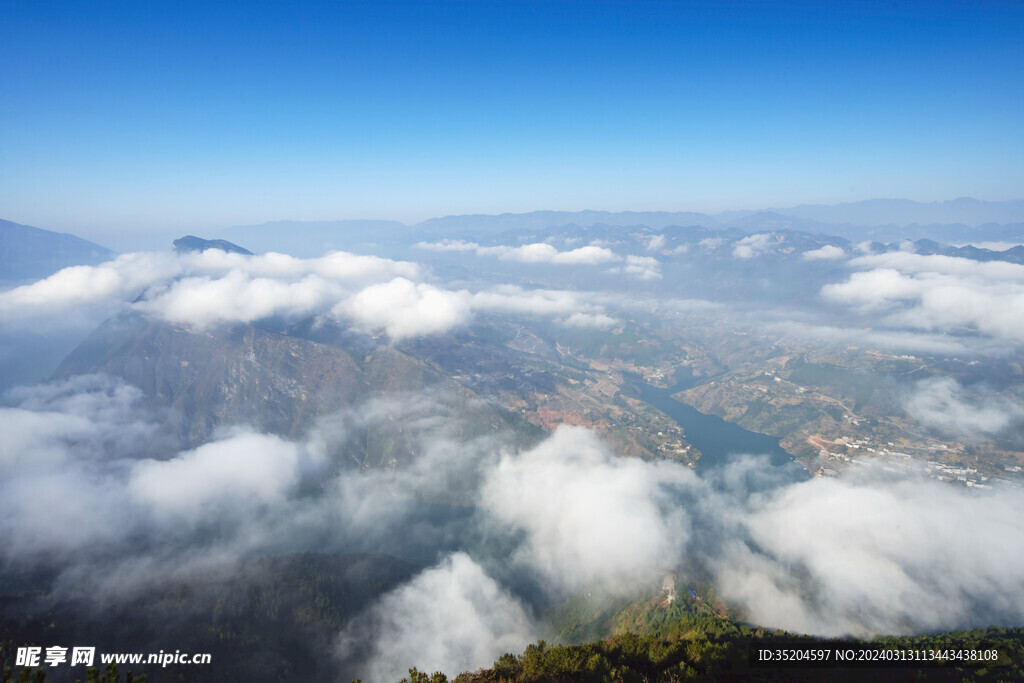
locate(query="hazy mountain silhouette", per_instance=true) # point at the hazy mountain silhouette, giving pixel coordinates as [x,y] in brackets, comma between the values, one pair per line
[28,253]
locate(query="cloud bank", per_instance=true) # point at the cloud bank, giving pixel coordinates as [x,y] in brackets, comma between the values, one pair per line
[752,245]
[642,267]
[828,252]
[375,295]
[872,552]
[876,554]
[939,293]
[942,404]
[537,252]
[588,515]
[452,617]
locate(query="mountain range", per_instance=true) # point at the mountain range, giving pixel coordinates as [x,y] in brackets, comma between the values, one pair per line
[886,220]
[298,472]
[28,253]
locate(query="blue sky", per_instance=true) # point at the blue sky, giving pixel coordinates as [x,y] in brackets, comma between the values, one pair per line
[198,115]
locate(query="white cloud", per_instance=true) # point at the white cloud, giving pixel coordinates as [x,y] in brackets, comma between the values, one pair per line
[939,264]
[406,309]
[450,618]
[642,267]
[545,253]
[218,277]
[942,404]
[870,552]
[70,444]
[938,293]
[238,297]
[750,246]
[66,446]
[588,515]
[211,288]
[873,552]
[992,246]
[537,252]
[655,243]
[207,288]
[70,288]
[875,288]
[514,299]
[240,472]
[893,340]
[336,265]
[448,245]
[593,320]
[876,553]
[825,253]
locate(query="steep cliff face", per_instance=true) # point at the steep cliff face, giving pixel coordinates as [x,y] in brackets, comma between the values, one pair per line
[237,376]
[276,382]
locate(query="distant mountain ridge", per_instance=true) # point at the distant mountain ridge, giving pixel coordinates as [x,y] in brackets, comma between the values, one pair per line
[28,253]
[314,238]
[543,219]
[869,213]
[883,220]
[877,212]
[192,243]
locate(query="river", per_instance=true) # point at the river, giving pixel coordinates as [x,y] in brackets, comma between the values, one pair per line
[719,441]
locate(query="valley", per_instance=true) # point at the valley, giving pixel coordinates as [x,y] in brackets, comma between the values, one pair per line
[428,420]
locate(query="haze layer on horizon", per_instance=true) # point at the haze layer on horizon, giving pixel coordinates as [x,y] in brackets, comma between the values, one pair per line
[188,116]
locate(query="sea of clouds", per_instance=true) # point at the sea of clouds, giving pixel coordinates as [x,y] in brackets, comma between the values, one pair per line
[93,487]
[84,474]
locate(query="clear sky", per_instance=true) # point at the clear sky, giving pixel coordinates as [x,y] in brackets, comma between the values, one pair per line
[195,115]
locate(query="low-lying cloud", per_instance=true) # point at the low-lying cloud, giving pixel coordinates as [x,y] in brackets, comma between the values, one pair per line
[405,309]
[588,515]
[655,243]
[207,288]
[902,341]
[934,292]
[375,295]
[828,252]
[452,617]
[752,245]
[225,476]
[537,252]
[591,320]
[872,552]
[642,267]
[942,404]
[875,553]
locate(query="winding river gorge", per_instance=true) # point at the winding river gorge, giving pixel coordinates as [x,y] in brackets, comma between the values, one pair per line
[718,441]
